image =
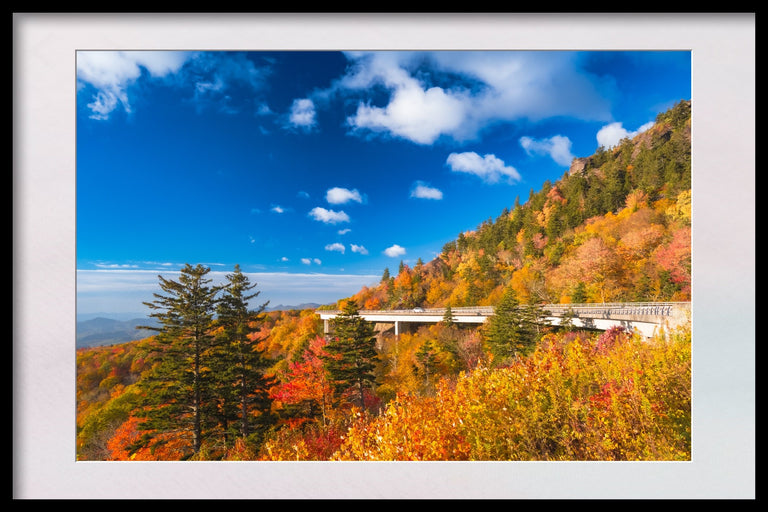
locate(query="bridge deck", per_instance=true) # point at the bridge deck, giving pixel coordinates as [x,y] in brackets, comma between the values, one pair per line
[647,316]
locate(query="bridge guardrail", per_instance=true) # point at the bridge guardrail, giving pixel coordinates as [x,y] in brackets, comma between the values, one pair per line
[628,308]
[646,308]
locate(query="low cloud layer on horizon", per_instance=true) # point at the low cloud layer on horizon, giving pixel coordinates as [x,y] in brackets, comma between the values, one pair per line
[121,290]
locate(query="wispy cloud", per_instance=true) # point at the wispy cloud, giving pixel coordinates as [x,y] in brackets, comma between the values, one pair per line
[278,209]
[359,249]
[112,73]
[207,76]
[488,88]
[423,191]
[557,147]
[610,135]
[344,231]
[394,251]
[115,266]
[489,168]
[215,75]
[328,216]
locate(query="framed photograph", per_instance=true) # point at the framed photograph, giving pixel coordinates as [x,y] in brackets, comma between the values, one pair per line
[324,154]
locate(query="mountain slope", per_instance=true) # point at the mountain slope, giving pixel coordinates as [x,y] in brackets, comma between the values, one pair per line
[615,227]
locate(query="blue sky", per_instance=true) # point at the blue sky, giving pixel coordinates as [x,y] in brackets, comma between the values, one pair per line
[315,171]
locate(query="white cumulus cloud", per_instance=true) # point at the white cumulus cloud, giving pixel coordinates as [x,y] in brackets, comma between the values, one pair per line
[339,195]
[424,191]
[610,135]
[490,168]
[394,251]
[337,247]
[557,147]
[417,114]
[302,113]
[359,249]
[328,216]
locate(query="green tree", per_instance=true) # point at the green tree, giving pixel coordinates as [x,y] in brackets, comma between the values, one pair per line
[448,318]
[426,358]
[512,330]
[352,355]
[242,386]
[566,320]
[579,294]
[174,389]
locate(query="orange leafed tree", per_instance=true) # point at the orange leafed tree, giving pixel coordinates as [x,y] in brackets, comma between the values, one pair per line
[163,447]
[675,257]
[304,386]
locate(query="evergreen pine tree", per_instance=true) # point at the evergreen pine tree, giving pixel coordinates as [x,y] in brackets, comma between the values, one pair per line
[176,387]
[448,319]
[566,321]
[426,358]
[513,329]
[579,294]
[242,388]
[352,352]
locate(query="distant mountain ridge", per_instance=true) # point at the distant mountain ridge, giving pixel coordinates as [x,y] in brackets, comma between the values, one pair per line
[82,317]
[281,307]
[98,329]
[107,331]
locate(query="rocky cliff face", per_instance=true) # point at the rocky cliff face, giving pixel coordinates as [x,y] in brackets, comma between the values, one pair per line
[578,166]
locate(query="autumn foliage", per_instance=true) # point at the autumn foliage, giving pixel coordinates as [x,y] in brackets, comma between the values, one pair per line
[577,397]
[615,228]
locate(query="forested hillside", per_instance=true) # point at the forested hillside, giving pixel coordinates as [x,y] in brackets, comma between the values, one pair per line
[616,227]
[228,380]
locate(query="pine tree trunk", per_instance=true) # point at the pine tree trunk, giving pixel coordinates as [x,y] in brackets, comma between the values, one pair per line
[198,434]
[362,395]
[243,410]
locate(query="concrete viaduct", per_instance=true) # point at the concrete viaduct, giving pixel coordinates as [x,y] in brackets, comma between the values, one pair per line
[647,318]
